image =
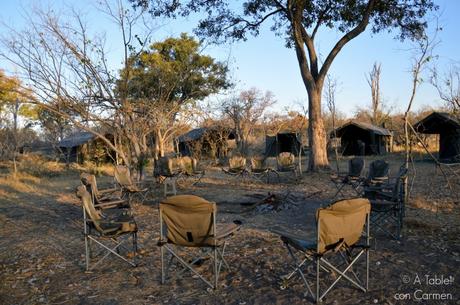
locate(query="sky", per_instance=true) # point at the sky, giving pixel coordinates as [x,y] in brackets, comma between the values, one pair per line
[263,62]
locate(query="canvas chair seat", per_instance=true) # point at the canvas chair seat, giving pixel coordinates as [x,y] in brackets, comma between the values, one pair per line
[339,229]
[298,242]
[190,221]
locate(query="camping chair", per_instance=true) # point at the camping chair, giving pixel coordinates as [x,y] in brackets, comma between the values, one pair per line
[190,221]
[168,170]
[260,170]
[352,178]
[190,168]
[286,163]
[128,187]
[101,230]
[236,166]
[102,199]
[388,206]
[339,229]
[378,173]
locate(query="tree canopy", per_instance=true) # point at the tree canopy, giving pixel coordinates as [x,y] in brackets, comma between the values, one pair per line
[174,70]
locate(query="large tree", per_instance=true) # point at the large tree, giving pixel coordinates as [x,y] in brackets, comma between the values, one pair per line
[167,79]
[299,21]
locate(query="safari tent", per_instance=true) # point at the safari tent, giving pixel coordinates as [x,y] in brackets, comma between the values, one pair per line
[448,128]
[205,140]
[359,138]
[282,142]
[84,145]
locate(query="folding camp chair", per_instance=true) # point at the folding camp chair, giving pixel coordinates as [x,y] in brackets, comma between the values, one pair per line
[388,206]
[190,221]
[352,178]
[339,229]
[168,170]
[236,166]
[378,173]
[190,169]
[100,229]
[261,171]
[286,163]
[107,198]
[129,189]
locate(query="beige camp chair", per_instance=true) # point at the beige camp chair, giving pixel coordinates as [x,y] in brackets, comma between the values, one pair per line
[190,221]
[260,170]
[102,199]
[339,229]
[98,228]
[236,166]
[167,170]
[286,163]
[129,189]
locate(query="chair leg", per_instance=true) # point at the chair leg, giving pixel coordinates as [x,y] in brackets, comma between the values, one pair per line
[367,269]
[162,264]
[318,299]
[87,252]
[216,273]
[134,237]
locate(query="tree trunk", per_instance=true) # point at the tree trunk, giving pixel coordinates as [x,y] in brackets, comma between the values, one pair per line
[316,132]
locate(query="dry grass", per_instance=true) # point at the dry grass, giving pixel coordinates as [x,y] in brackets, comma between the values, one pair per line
[40,226]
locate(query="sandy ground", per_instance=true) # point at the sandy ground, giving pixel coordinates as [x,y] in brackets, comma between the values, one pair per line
[42,250]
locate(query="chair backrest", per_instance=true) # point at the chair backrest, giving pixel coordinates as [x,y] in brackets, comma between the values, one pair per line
[285,160]
[378,169]
[123,175]
[89,181]
[258,163]
[187,164]
[88,206]
[343,221]
[189,220]
[398,188]
[237,162]
[166,166]
[356,167]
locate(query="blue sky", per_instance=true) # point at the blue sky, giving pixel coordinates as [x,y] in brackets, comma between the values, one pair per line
[265,63]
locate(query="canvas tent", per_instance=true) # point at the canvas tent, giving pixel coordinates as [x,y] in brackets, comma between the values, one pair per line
[282,142]
[84,145]
[448,128]
[359,138]
[202,139]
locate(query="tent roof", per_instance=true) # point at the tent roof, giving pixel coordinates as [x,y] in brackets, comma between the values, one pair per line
[192,135]
[366,126]
[437,122]
[77,139]
[197,133]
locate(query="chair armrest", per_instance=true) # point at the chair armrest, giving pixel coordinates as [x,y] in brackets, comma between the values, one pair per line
[110,203]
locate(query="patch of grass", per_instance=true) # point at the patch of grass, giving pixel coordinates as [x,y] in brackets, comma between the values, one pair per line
[38,166]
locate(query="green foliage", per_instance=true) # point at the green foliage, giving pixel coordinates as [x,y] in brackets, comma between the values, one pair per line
[225,21]
[173,71]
